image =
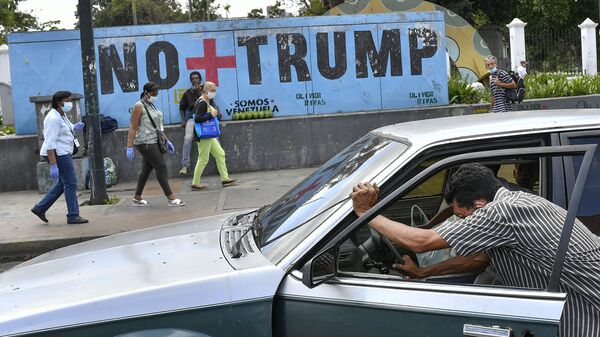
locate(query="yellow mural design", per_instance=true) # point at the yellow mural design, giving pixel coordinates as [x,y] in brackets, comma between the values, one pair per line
[464,45]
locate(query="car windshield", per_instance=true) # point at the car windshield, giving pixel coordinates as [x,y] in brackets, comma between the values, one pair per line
[320,192]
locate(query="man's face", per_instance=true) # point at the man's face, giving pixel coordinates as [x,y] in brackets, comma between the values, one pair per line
[195,80]
[489,64]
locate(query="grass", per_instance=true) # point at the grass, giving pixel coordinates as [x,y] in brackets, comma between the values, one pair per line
[112,200]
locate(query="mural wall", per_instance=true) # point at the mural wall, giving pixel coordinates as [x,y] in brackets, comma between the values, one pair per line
[466,47]
[277,67]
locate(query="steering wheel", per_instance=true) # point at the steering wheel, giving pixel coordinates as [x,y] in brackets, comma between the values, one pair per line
[381,251]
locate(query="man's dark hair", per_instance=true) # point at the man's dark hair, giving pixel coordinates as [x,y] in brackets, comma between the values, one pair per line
[471,182]
[196,73]
[58,97]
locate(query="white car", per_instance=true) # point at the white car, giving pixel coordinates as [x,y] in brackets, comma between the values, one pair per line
[305,265]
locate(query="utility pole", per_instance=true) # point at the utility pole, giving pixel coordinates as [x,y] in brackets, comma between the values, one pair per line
[208,10]
[190,9]
[134,10]
[90,91]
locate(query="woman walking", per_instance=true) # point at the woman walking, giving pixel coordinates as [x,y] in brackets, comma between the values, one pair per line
[203,112]
[145,128]
[59,144]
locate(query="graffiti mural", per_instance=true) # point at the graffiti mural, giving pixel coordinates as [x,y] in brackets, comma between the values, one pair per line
[262,68]
[465,46]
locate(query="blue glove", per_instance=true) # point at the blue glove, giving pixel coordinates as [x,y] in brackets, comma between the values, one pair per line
[79,125]
[129,153]
[54,171]
[170,147]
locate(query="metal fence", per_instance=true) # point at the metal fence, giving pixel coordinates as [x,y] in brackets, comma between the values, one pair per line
[554,50]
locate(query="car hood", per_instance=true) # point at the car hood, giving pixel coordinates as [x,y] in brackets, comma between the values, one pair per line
[161,269]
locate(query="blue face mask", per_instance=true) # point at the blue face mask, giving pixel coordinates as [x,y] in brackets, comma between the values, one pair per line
[492,70]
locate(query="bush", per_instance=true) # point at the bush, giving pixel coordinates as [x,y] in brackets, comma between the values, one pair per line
[461,92]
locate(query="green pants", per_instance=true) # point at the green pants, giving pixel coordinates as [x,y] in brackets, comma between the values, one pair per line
[213,147]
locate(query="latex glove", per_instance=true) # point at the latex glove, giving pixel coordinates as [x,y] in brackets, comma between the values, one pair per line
[170,147]
[130,153]
[79,125]
[54,171]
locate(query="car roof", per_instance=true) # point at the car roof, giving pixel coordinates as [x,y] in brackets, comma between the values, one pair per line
[457,128]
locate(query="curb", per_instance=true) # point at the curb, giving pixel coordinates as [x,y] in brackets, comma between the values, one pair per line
[11,251]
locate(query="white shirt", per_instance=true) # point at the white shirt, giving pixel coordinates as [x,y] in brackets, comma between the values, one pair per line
[522,71]
[58,134]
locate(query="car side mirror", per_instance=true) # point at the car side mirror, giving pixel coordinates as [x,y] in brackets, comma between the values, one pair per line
[320,268]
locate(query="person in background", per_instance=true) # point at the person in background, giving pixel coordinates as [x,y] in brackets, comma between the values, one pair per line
[522,69]
[58,146]
[204,111]
[499,80]
[142,134]
[186,109]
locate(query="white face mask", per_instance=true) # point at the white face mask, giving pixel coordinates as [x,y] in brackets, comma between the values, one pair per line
[211,94]
[152,99]
[67,106]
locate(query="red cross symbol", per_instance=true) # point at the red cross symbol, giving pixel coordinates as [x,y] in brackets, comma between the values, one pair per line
[210,61]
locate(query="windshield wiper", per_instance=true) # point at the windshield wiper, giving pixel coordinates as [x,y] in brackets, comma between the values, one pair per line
[235,249]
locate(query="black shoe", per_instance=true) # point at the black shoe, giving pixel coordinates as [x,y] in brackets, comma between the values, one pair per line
[41,215]
[77,220]
[228,182]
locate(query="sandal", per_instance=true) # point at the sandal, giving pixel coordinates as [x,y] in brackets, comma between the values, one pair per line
[139,203]
[176,203]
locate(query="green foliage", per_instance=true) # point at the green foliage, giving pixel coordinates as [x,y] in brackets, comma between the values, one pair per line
[6,129]
[546,85]
[112,200]
[256,13]
[110,13]
[13,20]
[461,92]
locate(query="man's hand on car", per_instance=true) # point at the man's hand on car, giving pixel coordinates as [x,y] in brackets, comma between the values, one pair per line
[409,268]
[364,196]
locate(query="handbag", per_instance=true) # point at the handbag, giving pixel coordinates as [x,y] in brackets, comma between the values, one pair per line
[209,128]
[160,136]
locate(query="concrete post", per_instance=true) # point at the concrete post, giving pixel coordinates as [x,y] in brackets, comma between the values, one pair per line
[588,47]
[4,65]
[516,29]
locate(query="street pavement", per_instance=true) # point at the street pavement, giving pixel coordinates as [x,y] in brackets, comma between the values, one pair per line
[24,235]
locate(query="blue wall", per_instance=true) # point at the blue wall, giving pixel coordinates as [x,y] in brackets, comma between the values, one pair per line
[292,66]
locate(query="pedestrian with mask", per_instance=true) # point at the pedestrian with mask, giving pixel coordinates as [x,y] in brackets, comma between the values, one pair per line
[499,80]
[522,69]
[59,144]
[186,109]
[145,121]
[204,111]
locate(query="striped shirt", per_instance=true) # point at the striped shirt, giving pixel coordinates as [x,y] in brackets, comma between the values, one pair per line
[500,103]
[520,234]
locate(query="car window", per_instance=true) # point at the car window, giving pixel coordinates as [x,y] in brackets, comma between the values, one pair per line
[322,191]
[589,206]
[423,202]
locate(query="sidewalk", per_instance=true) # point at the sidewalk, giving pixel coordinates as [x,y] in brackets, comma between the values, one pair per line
[23,233]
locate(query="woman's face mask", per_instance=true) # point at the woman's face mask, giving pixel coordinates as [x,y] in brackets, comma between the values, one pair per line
[211,94]
[67,106]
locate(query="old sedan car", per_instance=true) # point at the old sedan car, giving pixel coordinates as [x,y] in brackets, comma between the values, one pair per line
[306,265]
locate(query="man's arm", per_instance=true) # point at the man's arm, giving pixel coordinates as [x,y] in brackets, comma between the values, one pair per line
[418,240]
[475,263]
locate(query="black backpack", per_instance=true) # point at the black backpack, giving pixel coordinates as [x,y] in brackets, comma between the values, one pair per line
[517,94]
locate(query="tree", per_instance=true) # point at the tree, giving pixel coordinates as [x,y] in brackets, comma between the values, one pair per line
[227,7]
[256,13]
[275,11]
[110,13]
[12,20]
[200,13]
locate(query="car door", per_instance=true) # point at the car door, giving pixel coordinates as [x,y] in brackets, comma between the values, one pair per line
[382,305]
[589,209]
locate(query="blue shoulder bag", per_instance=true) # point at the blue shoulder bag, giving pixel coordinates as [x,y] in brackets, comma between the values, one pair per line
[208,129]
